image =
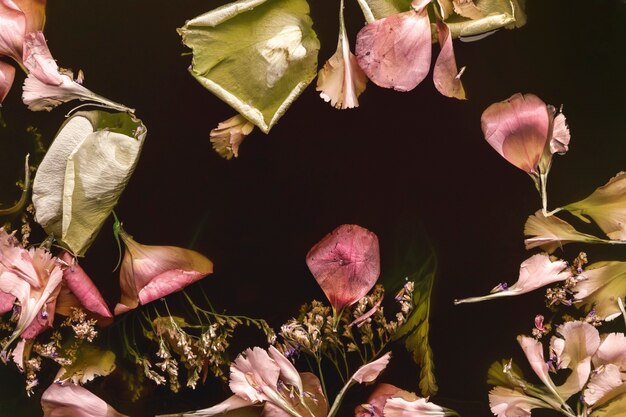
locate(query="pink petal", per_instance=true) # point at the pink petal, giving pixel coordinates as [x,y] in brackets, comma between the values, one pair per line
[446,74]
[83,287]
[39,61]
[612,350]
[506,402]
[229,134]
[517,129]
[35,12]
[603,381]
[74,401]
[251,372]
[370,371]
[12,29]
[399,407]
[6,302]
[377,399]
[395,51]
[559,143]
[533,350]
[152,272]
[288,373]
[7,74]
[346,264]
[231,403]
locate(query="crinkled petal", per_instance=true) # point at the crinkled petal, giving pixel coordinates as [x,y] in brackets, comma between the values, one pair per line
[346,264]
[7,301]
[229,134]
[395,52]
[370,371]
[517,129]
[446,75]
[377,399]
[83,287]
[74,401]
[89,363]
[251,372]
[560,135]
[39,61]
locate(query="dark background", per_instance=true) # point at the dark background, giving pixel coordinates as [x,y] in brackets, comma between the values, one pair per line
[401,158]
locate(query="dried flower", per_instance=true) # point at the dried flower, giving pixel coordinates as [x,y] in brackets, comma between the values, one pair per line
[229,134]
[76,401]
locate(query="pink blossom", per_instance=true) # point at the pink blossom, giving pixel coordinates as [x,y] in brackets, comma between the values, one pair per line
[74,401]
[535,272]
[346,264]
[151,272]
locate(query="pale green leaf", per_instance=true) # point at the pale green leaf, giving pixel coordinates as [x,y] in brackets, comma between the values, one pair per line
[257,56]
[417,263]
[89,363]
[497,14]
[84,173]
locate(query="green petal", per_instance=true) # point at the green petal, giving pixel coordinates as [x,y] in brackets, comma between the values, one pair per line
[256,55]
[84,173]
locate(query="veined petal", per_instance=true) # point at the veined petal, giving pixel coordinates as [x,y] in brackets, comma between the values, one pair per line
[395,52]
[599,286]
[517,129]
[604,380]
[507,402]
[606,206]
[533,349]
[370,371]
[559,143]
[446,75]
[39,61]
[377,399]
[535,272]
[151,272]
[550,233]
[251,372]
[74,401]
[346,264]
[7,74]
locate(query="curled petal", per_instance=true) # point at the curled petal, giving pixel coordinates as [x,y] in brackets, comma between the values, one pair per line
[467,8]
[370,371]
[377,399]
[395,52]
[39,61]
[535,272]
[83,287]
[560,135]
[253,374]
[12,29]
[606,206]
[7,74]
[550,233]
[533,349]
[346,264]
[288,373]
[446,75]
[74,401]
[229,134]
[517,129]
[151,272]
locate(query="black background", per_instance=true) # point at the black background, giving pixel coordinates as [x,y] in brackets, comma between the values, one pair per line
[416,158]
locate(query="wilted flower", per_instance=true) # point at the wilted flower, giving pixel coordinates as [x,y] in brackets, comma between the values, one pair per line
[74,401]
[341,80]
[346,264]
[535,272]
[551,232]
[522,129]
[606,206]
[151,272]
[229,134]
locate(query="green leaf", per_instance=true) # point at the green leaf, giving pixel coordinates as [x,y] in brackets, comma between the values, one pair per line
[83,174]
[256,55]
[417,262]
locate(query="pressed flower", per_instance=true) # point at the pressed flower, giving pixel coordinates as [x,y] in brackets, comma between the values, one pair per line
[535,272]
[370,371]
[606,206]
[551,232]
[7,74]
[446,75]
[399,407]
[604,380]
[151,272]
[612,350]
[89,363]
[506,402]
[288,373]
[599,286]
[377,399]
[46,85]
[341,80]
[395,52]
[229,134]
[74,401]
[346,264]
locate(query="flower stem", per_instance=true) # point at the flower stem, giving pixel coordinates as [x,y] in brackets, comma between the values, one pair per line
[24,196]
[339,398]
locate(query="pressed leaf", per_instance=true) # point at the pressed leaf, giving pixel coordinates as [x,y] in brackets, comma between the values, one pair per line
[84,173]
[496,14]
[257,56]
[418,264]
[89,363]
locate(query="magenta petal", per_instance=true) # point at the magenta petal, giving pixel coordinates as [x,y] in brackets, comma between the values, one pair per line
[346,264]
[517,129]
[83,287]
[446,74]
[395,52]
[7,74]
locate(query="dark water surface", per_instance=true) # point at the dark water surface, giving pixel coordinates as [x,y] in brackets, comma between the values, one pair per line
[401,158]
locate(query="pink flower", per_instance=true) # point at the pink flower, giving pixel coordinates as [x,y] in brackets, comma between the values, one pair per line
[74,401]
[37,280]
[151,272]
[377,399]
[346,264]
[535,272]
[523,130]
[370,371]
[229,134]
